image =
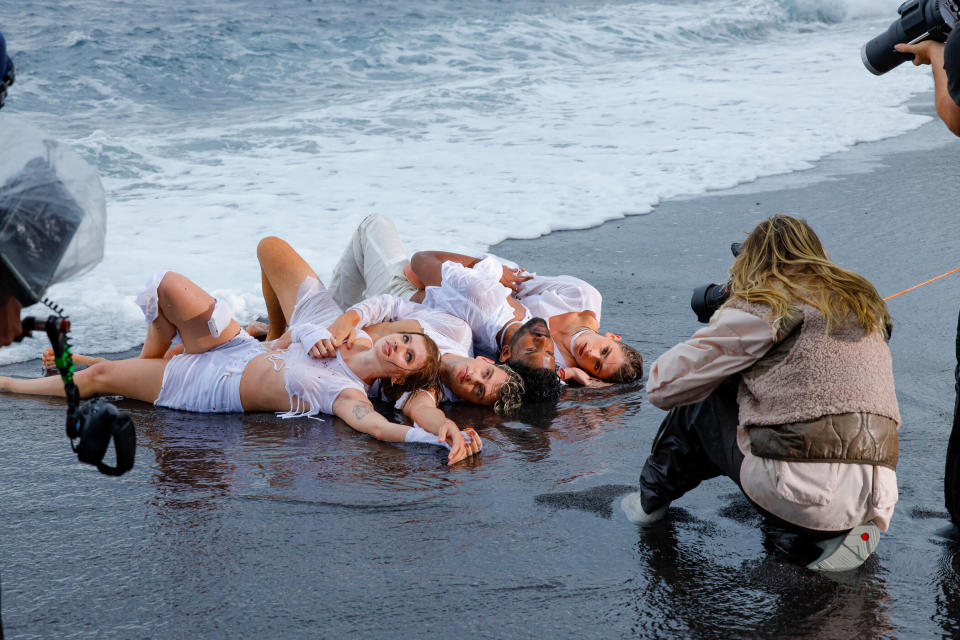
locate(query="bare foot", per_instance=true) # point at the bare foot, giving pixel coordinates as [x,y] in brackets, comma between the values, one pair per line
[258,330]
[48,360]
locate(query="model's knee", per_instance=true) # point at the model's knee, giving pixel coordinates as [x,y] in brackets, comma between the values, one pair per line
[270,245]
[98,379]
[170,284]
[373,220]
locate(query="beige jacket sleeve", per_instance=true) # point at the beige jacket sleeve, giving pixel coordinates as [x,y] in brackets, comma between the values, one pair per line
[690,371]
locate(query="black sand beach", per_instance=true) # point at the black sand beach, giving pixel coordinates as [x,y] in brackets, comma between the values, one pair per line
[249,526]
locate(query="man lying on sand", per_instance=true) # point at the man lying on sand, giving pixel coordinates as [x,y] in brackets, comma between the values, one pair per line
[375,261]
[571,308]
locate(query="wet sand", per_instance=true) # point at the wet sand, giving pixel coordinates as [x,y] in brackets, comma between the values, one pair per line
[249,526]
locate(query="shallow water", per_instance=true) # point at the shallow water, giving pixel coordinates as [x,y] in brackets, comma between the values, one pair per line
[256,527]
[214,124]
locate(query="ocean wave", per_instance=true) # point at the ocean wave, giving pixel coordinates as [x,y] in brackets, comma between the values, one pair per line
[215,125]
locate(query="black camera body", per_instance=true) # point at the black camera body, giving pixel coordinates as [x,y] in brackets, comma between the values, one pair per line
[919,20]
[709,297]
[95,422]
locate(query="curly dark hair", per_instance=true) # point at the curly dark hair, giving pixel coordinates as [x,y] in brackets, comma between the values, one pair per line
[527,385]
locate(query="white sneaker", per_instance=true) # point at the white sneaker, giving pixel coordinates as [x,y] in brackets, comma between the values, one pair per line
[635,513]
[848,551]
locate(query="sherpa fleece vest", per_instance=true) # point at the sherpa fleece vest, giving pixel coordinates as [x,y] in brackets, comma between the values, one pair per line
[819,397]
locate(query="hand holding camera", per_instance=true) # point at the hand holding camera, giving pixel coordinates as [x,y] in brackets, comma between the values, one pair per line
[921,22]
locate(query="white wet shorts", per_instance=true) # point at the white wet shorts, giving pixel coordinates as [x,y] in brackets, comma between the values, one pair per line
[209,382]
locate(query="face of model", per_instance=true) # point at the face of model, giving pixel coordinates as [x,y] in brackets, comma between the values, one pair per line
[598,355]
[401,353]
[474,380]
[531,345]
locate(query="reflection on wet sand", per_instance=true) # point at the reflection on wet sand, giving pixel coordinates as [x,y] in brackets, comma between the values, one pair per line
[948,581]
[770,596]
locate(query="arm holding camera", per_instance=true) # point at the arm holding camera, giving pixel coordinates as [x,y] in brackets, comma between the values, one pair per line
[934,54]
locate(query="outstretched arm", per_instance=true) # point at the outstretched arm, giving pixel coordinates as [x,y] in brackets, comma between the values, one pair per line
[354,408]
[422,408]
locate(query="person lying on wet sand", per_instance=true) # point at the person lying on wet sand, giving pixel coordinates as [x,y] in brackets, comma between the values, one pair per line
[223,369]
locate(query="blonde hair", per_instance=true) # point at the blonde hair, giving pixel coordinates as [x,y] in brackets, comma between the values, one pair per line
[783,262]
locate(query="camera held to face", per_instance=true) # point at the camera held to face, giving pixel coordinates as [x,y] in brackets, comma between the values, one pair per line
[710,297]
[919,20]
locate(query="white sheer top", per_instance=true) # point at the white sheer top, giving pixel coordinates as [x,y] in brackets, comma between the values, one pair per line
[476,296]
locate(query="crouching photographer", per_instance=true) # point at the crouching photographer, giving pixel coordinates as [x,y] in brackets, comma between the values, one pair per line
[788,392]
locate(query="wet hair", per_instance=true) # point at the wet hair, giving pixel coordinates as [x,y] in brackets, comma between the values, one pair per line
[783,261]
[511,392]
[526,385]
[632,367]
[426,378]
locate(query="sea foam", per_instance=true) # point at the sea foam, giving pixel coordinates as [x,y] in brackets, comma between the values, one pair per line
[466,129]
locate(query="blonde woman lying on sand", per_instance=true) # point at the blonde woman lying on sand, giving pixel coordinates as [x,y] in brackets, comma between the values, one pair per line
[303,373]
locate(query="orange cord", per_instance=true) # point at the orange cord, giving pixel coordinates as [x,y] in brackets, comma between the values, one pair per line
[923,283]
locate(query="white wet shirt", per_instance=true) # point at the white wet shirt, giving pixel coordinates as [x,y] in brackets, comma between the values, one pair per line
[314,384]
[548,296]
[476,296]
[451,334]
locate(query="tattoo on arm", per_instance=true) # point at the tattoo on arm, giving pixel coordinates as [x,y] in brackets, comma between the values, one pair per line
[361,411]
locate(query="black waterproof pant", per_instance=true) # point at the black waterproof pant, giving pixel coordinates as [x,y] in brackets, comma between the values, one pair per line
[951,475]
[697,442]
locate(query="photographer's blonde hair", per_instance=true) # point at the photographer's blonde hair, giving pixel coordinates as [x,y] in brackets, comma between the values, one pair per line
[783,262]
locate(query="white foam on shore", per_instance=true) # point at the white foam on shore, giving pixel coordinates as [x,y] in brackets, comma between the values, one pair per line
[593,131]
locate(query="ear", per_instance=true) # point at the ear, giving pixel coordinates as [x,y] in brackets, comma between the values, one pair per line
[504,353]
[612,336]
[483,358]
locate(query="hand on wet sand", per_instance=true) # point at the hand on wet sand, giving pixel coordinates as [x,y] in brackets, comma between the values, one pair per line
[463,444]
[578,376]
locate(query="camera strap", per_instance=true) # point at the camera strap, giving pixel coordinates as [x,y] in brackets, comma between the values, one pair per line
[57,329]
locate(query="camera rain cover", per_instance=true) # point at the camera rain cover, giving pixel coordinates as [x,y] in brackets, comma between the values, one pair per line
[52,211]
